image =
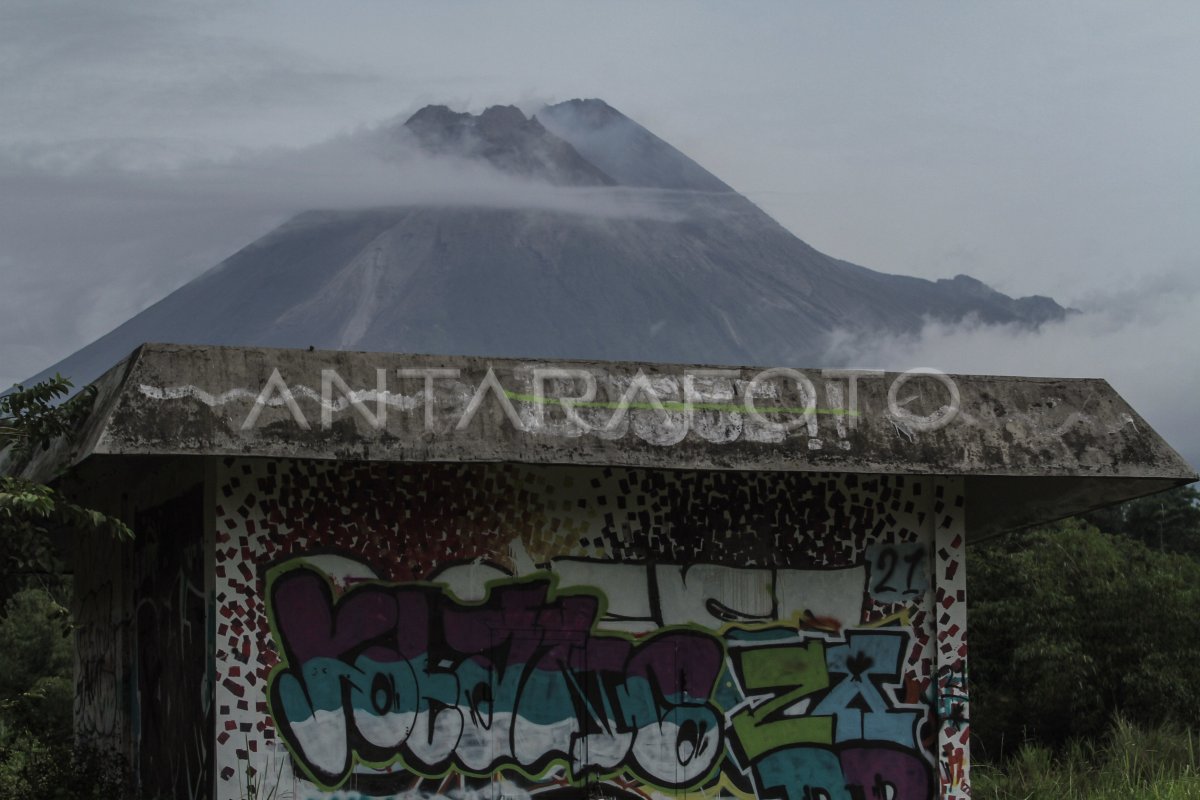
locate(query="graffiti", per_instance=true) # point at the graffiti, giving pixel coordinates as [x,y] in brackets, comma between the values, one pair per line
[793,565]
[641,598]
[845,773]
[853,737]
[483,672]
[406,673]
[952,697]
[173,697]
[97,699]
[952,703]
[898,572]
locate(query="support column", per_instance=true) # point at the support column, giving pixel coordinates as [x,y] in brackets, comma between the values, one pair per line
[950,604]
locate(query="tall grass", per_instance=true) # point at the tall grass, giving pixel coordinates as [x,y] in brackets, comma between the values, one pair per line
[1131,762]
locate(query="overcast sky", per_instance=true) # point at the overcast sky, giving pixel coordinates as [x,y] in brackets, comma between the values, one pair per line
[1043,148]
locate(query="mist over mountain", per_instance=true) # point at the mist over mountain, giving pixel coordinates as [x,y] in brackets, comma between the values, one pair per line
[630,250]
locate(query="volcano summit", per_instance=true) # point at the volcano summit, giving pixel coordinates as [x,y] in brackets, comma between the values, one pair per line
[679,268]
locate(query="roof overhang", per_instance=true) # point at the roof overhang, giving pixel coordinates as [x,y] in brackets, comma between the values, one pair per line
[1030,449]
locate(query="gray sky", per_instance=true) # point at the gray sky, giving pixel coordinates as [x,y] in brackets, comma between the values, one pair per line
[1043,148]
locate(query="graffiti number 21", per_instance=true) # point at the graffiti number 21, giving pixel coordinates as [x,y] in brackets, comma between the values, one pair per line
[898,571]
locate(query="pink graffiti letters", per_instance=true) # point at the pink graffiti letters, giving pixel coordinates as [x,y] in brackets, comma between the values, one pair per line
[384,682]
[407,674]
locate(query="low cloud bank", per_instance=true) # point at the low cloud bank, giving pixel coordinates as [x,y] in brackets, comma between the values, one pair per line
[372,167]
[93,232]
[1143,339]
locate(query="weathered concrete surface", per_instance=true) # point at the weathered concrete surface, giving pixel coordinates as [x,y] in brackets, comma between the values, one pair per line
[1002,433]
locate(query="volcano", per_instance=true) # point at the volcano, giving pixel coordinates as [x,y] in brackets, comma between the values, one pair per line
[702,276]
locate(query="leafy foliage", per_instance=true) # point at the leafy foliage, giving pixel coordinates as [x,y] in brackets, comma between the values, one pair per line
[30,420]
[33,417]
[1168,521]
[28,510]
[38,758]
[36,664]
[1071,627]
[32,769]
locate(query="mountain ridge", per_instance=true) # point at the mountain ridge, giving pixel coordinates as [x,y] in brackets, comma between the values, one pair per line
[718,282]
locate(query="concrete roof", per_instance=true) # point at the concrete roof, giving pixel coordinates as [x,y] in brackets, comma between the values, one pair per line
[1031,449]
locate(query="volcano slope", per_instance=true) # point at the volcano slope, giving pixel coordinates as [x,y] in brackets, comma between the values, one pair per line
[631,251]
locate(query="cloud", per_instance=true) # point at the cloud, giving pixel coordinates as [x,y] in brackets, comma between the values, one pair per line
[99,229]
[1020,146]
[370,167]
[109,69]
[1142,339]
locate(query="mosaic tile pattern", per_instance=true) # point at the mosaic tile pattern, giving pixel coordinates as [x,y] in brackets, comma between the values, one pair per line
[950,603]
[411,522]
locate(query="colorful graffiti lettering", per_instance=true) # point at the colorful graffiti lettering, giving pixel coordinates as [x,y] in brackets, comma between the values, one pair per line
[642,598]
[821,754]
[408,674]
[523,678]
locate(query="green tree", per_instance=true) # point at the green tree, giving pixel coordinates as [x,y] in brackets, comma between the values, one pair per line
[36,665]
[1168,521]
[37,756]
[32,419]
[1070,626]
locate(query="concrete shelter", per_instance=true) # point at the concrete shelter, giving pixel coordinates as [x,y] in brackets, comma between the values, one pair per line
[363,574]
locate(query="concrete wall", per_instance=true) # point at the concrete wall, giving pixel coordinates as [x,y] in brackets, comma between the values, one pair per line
[103,612]
[144,666]
[487,631]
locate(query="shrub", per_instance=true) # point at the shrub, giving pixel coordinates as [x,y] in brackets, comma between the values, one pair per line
[1070,627]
